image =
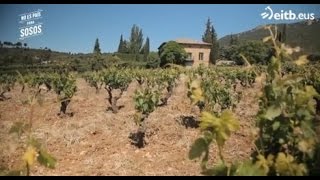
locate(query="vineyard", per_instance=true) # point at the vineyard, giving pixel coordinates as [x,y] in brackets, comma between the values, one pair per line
[248,120]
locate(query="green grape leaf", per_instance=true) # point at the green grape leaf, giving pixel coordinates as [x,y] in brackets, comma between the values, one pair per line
[276,125]
[198,148]
[46,159]
[272,112]
[249,169]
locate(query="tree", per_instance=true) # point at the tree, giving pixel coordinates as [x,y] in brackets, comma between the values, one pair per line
[97,62]
[231,42]
[214,53]
[136,40]
[210,36]
[125,46]
[282,35]
[153,56]
[256,52]
[1,45]
[153,60]
[230,53]
[172,52]
[207,37]
[122,45]
[96,49]
[234,40]
[146,49]
[25,45]
[7,43]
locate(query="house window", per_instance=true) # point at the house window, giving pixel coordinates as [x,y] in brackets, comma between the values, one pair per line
[189,56]
[201,56]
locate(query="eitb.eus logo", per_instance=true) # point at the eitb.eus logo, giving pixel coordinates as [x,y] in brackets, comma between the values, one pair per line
[286,15]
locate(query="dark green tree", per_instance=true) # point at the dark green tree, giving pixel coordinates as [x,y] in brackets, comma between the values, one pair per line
[214,53]
[282,35]
[136,40]
[18,45]
[210,36]
[97,62]
[234,40]
[146,49]
[153,56]
[7,43]
[96,49]
[256,52]
[125,46]
[153,60]
[122,45]
[207,37]
[172,52]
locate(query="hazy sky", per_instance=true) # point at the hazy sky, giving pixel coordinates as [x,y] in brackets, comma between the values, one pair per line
[74,28]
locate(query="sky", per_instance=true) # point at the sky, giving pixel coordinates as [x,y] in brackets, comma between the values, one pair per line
[74,28]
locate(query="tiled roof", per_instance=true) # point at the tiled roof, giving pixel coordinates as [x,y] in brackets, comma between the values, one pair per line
[186,41]
[190,41]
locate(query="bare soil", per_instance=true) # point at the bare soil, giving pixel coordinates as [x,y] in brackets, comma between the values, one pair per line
[96,142]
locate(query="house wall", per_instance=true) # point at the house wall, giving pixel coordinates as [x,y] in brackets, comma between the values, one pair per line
[195,50]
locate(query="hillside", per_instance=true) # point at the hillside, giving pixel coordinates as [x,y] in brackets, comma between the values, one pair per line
[27,59]
[303,34]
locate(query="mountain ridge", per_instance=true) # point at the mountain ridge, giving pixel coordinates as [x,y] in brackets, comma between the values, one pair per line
[303,34]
